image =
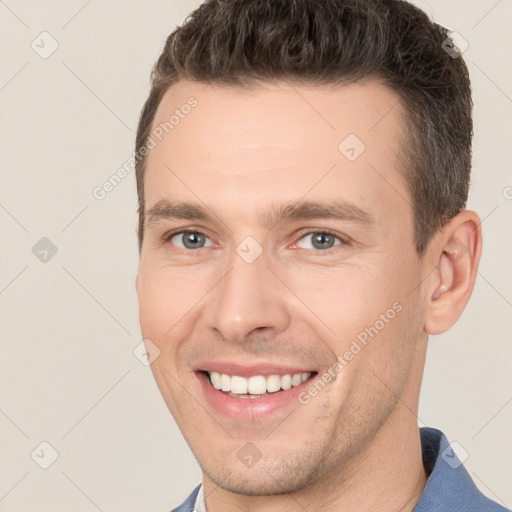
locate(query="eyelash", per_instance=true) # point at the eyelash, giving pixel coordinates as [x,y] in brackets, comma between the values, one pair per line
[343,240]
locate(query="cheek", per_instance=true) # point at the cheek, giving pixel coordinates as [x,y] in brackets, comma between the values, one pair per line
[346,299]
[364,312]
[167,299]
[391,343]
[163,306]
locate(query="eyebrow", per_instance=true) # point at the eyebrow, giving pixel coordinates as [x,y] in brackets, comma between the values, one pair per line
[297,211]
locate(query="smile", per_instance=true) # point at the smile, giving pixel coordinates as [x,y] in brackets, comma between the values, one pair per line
[252,392]
[256,386]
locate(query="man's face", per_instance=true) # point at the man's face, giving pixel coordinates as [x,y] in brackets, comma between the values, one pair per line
[270,286]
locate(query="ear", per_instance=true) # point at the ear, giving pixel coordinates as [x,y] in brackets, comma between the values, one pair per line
[456,255]
[137,231]
[137,235]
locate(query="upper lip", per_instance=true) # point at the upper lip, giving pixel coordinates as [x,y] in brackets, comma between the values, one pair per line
[248,370]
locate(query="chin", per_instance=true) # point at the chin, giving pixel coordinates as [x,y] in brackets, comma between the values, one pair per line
[259,485]
[267,477]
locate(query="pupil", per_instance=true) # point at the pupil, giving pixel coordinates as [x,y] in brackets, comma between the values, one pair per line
[323,241]
[192,240]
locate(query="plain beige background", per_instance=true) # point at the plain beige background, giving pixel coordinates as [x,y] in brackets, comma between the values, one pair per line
[69,325]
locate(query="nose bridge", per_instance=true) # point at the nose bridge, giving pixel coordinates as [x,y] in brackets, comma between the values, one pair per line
[247,298]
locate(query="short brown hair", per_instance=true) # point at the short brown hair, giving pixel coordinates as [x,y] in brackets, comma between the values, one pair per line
[243,42]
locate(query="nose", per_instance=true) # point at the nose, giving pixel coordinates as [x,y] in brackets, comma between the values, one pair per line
[248,299]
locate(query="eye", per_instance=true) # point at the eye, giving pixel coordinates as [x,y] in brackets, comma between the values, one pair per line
[190,240]
[320,240]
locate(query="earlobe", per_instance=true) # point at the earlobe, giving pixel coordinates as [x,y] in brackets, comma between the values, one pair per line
[454,275]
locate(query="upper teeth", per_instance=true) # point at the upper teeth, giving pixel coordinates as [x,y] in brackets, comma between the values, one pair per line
[257,384]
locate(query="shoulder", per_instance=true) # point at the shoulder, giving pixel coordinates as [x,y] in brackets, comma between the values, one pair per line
[188,504]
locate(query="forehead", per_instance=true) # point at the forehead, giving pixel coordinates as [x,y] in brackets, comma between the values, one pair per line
[274,140]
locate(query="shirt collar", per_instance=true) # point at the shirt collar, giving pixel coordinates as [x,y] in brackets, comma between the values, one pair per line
[200,504]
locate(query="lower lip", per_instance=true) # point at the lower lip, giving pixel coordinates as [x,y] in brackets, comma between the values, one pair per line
[250,408]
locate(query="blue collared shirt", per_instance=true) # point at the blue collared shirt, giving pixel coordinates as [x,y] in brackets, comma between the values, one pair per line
[449,487]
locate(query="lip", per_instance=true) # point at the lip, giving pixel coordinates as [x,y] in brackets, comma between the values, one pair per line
[251,409]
